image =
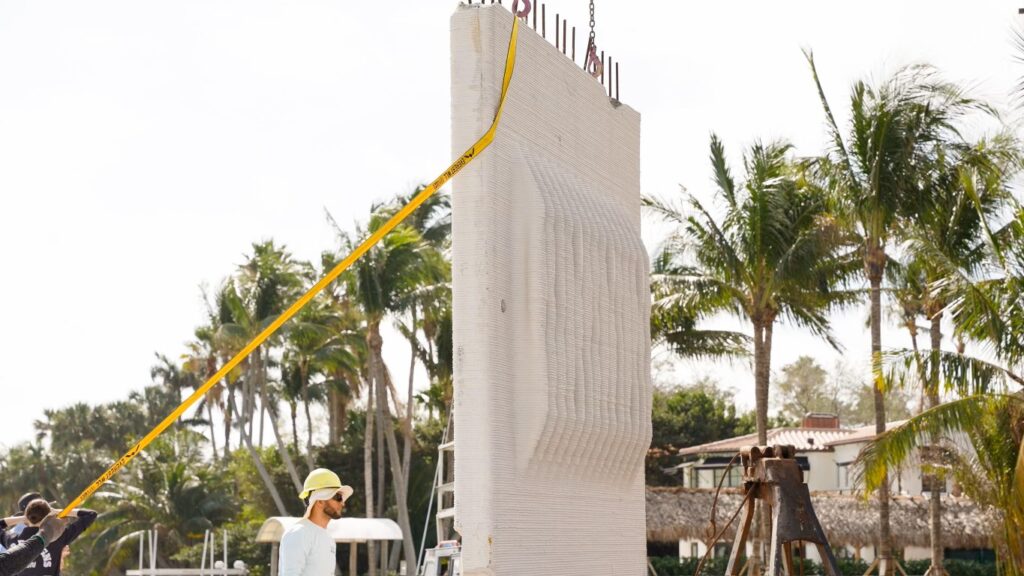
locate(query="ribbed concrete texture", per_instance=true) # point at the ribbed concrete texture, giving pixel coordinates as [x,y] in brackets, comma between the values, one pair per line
[551,311]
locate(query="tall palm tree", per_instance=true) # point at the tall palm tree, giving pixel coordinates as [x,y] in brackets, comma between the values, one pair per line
[215,346]
[201,361]
[380,283]
[345,364]
[986,303]
[873,172]
[165,490]
[967,187]
[772,256]
[678,309]
[987,462]
[308,342]
[427,304]
[235,334]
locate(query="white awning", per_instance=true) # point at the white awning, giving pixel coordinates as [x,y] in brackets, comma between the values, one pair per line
[341,530]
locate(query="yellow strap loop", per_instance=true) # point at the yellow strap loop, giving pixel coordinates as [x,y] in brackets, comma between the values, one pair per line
[456,166]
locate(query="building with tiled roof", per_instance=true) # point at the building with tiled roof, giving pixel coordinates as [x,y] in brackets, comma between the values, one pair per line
[827,454]
[704,465]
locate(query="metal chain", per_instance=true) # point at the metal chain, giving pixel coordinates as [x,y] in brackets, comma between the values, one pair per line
[592,63]
[591,21]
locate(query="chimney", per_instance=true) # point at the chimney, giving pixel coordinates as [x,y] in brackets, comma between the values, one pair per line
[821,420]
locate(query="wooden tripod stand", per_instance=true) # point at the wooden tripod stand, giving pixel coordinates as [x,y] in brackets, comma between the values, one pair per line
[771,475]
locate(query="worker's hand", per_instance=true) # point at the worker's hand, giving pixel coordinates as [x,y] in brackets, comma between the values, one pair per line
[52,527]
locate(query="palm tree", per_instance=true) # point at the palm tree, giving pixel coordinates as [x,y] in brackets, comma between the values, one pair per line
[426,305]
[967,188]
[264,285]
[677,309]
[874,175]
[988,460]
[164,490]
[201,362]
[241,328]
[380,283]
[308,341]
[345,364]
[215,345]
[772,256]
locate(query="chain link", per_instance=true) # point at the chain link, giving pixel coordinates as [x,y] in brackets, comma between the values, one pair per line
[592,63]
[591,21]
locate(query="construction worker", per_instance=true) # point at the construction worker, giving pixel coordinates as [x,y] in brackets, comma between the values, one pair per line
[19,556]
[34,510]
[306,548]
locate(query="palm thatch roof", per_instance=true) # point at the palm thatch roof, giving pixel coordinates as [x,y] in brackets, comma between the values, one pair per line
[683,513]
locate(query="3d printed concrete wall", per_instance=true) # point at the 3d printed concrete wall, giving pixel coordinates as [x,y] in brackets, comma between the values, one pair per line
[551,313]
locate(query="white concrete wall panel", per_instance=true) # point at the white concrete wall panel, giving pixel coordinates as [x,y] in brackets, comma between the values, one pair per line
[551,314]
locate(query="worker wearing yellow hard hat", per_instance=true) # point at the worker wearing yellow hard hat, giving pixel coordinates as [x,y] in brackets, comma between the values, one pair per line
[322,484]
[306,547]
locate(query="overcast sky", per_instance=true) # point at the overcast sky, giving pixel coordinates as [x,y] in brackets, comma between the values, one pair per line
[144,146]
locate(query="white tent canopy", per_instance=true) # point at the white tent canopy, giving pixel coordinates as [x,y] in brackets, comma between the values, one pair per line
[341,530]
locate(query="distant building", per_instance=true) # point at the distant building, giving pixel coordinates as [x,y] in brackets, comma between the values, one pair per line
[827,454]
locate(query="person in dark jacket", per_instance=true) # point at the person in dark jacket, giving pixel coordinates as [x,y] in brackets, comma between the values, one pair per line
[19,556]
[48,562]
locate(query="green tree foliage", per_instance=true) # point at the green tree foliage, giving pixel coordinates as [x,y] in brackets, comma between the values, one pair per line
[805,386]
[771,256]
[687,416]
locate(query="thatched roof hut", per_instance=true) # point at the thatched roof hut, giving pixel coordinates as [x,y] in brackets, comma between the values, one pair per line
[683,513]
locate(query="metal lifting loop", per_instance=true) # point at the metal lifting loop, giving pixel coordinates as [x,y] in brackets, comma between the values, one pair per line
[593,64]
[527,6]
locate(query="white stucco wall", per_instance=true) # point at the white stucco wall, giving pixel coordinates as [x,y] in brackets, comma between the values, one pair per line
[551,314]
[822,472]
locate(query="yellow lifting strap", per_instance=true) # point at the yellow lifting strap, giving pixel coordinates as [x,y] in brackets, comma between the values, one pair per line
[456,166]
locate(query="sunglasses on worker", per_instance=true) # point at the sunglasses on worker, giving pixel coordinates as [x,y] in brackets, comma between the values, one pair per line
[338,498]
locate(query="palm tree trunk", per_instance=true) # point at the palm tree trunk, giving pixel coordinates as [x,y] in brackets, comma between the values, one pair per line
[407,427]
[368,473]
[294,413]
[267,402]
[935,497]
[911,326]
[342,400]
[213,430]
[761,368]
[304,374]
[876,268]
[263,418]
[228,417]
[397,476]
[381,462]
[332,415]
[260,468]
[762,375]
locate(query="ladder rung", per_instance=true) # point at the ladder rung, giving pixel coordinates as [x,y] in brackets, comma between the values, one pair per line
[447,446]
[446,513]
[447,487]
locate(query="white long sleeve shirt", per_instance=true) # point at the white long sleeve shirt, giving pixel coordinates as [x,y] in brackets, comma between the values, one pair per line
[306,550]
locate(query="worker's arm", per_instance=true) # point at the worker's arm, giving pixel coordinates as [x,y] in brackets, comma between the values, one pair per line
[83,519]
[293,554]
[18,557]
[8,539]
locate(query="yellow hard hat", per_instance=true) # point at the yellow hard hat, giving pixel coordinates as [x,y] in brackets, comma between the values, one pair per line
[320,479]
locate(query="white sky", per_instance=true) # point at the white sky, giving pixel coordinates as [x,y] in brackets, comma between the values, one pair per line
[145,145]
